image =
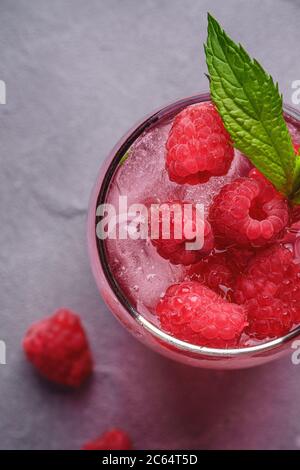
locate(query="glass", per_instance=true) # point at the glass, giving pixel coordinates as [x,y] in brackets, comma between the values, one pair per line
[133,321]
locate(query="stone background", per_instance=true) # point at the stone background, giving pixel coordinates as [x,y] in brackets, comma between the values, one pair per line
[79,73]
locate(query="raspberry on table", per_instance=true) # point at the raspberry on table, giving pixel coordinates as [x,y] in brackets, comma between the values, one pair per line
[115,439]
[172,246]
[196,314]
[270,291]
[247,212]
[198,145]
[58,347]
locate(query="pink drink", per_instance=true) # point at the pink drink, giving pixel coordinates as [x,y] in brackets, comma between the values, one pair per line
[139,273]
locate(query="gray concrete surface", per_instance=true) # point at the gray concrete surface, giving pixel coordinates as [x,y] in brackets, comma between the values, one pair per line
[79,74]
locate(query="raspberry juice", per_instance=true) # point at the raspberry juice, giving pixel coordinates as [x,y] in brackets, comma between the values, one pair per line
[138,271]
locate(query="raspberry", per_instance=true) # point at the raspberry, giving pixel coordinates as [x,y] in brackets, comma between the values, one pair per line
[57,346]
[171,245]
[238,257]
[115,439]
[198,145]
[192,312]
[267,190]
[270,291]
[247,212]
[215,272]
[268,318]
[219,270]
[295,214]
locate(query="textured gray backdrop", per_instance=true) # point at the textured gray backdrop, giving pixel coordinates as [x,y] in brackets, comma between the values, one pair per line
[79,73]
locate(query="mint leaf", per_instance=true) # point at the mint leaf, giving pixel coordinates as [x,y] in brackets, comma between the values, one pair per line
[296,184]
[124,158]
[296,198]
[251,108]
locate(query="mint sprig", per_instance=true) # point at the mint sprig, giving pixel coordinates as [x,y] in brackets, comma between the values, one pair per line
[250,105]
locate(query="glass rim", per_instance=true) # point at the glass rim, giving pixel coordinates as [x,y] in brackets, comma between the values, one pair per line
[99,197]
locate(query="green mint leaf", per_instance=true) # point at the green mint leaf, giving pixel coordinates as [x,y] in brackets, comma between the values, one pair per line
[125,156]
[296,185]
[296,198]
[251,108]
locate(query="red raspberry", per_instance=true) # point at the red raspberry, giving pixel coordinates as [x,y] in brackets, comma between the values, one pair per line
[115,439]
[194,313]
[238,257]
[57,346]
[198,145]
[267,190]
[247,212]
[268,318]
[171,245]
[215,272]
[295,214]
[270,291]
[219,270]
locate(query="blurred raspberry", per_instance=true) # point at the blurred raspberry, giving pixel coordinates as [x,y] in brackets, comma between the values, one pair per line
[57,346]
[115,439]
